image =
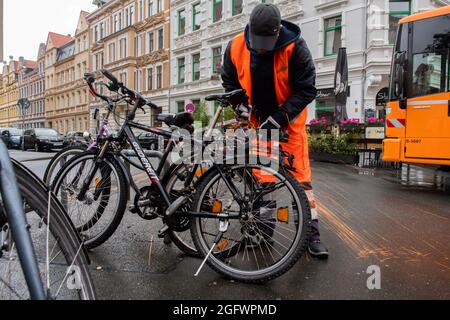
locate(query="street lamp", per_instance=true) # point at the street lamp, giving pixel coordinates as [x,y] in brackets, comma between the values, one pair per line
[23,105]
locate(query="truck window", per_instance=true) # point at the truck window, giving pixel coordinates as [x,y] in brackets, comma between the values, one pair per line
[401,46]
[430,57]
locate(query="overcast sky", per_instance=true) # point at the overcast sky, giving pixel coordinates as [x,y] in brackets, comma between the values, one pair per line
[27,23]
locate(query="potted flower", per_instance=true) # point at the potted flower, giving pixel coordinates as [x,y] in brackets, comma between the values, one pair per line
[319,126]
[353,127]
[375,122]
[334,149]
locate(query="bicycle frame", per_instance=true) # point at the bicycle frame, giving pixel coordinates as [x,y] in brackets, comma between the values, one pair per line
[19,227]
[126,134]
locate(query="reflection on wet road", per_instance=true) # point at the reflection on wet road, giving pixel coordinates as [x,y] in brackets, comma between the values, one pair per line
[396,218]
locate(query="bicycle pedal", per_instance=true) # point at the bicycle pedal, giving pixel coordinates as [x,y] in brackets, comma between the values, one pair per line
[163,232]
[133,209]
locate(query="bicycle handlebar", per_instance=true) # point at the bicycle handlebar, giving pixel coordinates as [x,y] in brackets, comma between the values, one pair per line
[135,98]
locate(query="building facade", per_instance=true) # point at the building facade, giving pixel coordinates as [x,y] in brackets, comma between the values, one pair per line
[202,29]
[9,94]
[36,117]
[131,40]
[67,100]
[31,91]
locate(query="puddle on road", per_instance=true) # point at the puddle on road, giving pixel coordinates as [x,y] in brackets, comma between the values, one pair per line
[432,178]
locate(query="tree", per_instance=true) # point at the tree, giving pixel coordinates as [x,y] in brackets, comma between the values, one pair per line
[201,115]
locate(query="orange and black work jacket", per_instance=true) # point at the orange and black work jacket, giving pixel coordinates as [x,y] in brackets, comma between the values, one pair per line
[280,84]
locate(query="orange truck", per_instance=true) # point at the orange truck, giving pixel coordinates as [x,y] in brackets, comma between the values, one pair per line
[418,111]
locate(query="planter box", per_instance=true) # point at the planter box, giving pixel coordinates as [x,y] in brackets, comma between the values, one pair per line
[334,158]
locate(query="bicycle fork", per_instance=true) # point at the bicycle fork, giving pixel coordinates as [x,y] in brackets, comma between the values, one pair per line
[85,187]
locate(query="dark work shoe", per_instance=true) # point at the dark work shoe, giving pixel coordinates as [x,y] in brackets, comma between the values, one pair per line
[318,250]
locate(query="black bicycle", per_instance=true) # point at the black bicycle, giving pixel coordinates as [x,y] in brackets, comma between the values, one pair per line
[41,254]
[249,221]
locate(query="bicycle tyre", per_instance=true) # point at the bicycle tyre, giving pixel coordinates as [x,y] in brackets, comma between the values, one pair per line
[295,253]
[52,165]
[176,238]
[102,237]
[36,196]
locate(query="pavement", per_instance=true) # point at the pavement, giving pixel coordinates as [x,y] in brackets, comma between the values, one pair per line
[396,222]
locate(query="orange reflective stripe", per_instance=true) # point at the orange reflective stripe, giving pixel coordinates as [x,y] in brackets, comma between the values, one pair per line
[241,58]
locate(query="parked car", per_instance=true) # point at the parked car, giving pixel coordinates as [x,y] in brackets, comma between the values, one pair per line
[42,139]
[149,141]
[75,138]
[12,137]
[6,137]
[16,137]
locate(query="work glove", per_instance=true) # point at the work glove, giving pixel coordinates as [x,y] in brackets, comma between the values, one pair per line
[243,111]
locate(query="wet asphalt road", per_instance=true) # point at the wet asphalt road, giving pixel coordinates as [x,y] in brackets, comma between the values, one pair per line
[396,220]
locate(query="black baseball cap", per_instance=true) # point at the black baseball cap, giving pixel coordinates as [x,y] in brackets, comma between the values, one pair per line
[265,25]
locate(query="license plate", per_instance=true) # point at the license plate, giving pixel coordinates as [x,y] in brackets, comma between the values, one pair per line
[58,144]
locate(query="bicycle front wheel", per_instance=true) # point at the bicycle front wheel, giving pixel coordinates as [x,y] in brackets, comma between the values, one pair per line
[62,260]
[99,212]
[268,225]
[59,160]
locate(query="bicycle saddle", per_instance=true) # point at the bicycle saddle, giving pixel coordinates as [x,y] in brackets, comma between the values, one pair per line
[234,98]
[183,120]
[166,118]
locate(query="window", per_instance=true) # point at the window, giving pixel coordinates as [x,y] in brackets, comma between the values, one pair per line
[160,39]
[428,61]
[117,22]
[217,10]
[333,35]
[102,30]
[196,67]
[158,77]
[137,80]
[96,34]
[159,6]
[196,17]
[141,10]
[398,9]
[112,52]
[150,8]
[431,53]
[217,60]
[102,59]
[129,16]
[237,7]
[196,103]
[150,42]
[181,70]
[126,15]
[180,106]
[150,79]
[123,78]
[181,22]
[123,48]
[139,45]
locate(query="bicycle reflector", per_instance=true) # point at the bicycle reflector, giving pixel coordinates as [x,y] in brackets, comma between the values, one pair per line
[199,172]
[222,245]
[283,215]
[217,206]
[98,181]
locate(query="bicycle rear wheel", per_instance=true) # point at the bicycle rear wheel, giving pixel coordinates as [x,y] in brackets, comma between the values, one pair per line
[62,260]
[271,231]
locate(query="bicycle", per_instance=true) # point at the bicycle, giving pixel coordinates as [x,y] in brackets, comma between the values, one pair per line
[37,237]
[259,213]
